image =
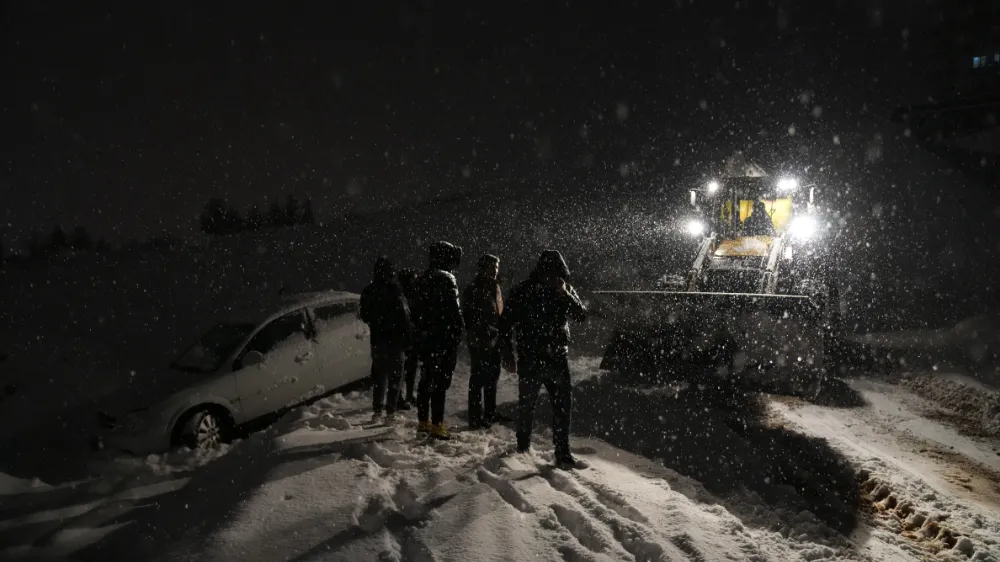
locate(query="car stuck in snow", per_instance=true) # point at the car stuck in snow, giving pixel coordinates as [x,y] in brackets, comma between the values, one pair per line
[260,362]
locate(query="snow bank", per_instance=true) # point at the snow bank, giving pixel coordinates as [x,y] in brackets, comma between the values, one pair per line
[10,485]
[976,405]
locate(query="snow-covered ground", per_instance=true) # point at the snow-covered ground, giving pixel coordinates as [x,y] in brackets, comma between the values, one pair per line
[675,474]
[928,487]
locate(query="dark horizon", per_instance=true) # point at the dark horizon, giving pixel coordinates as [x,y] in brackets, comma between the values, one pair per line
[127,121]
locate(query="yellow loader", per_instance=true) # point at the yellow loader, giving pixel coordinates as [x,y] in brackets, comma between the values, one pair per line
[757,304]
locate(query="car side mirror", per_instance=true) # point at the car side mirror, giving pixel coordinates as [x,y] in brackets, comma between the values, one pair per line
[251,358]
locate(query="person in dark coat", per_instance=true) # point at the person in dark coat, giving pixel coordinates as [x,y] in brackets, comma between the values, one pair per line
[439,321]
[482,306]
[537,317]
[408,279]
[385,310]
[759,222]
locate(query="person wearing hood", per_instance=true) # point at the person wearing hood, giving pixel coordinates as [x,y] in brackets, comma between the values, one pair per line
[408,279]
[759,222]
[439,321]
[387,314]
[536,317]
[482,306]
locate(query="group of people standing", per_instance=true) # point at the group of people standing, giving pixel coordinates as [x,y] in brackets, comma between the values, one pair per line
[420,319]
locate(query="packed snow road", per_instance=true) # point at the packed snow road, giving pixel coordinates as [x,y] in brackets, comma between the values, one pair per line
[675,474]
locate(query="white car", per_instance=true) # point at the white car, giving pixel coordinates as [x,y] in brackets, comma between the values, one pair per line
[254,365]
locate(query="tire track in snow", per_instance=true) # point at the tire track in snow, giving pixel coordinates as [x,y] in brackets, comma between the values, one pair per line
[685,543]
[575,553]
[412,549]
[505,489]
[397,514]
[591,544]
[632,537]
[580,527]
[613,501]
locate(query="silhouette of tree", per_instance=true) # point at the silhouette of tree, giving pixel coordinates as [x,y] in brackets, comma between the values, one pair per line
[291,211]
[58,240]
[80,239]
[232,221]
[36,246]
[254,219]
[307,213]
[275,216]
[213,217]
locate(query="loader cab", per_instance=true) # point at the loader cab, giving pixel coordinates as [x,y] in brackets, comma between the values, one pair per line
[752,225]
[745,209]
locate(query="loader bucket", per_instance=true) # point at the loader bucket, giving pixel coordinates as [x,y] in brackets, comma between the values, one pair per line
[770,341]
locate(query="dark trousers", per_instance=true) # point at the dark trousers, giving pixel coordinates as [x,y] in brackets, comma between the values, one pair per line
[553,374]
[387,371]
[412,360]
[437,366]
[483,383]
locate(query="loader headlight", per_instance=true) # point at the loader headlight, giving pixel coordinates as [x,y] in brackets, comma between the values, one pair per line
[803,227]
[695,227]
[788,184]
[713,186]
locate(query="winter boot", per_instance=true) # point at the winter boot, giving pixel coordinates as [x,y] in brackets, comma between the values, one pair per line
[566,461]
[377,418]
[403,404]
[424,427]
[440,432]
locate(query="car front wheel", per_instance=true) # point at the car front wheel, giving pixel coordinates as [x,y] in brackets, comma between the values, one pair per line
[204,429]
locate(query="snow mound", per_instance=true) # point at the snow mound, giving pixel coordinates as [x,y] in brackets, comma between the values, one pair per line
[974,341]
[976,405]
[11,485]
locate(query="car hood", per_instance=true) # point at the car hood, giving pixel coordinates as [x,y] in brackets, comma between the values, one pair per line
[146,391]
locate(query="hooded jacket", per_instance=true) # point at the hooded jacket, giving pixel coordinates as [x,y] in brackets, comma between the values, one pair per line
[759,222]
[384,308]
[537,314]
[482,307]
[408,281]
[439,314]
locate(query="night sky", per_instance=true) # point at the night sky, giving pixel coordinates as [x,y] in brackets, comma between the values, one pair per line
[127,118]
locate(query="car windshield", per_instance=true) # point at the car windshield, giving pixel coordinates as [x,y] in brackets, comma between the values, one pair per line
[208,353]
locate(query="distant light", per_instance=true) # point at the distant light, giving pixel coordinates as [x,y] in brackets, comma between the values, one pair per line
[803,227]
[713,186]
[695,227]
[788,184]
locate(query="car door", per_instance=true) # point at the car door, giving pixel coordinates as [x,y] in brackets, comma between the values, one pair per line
[289,370]
[342,343]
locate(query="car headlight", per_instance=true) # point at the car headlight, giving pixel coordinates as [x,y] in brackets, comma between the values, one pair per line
[803,227]
[695,227]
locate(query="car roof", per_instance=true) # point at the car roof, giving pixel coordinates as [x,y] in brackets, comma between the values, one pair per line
[284,303]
